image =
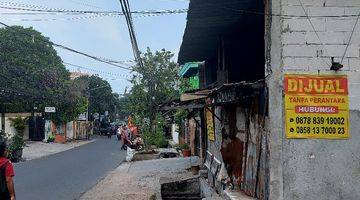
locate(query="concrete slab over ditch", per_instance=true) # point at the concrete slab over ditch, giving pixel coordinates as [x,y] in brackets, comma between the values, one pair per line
[141,180]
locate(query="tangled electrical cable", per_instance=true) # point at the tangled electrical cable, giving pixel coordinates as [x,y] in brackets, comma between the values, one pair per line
[65,11]
[107,61]
[97,71]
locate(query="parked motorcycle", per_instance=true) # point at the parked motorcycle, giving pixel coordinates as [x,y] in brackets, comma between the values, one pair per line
[137,143]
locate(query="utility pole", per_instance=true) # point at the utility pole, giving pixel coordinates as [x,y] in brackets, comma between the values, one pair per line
[125,6]
[3,117]
[33,115]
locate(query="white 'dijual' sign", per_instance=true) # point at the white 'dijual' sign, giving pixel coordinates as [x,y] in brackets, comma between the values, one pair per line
[50,109]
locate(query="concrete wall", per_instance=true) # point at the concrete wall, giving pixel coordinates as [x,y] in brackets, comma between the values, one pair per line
[70,130]
[48,129]
[11,130]
[274,69]
[323,169]
[311,168]
[303,51]
[175,133]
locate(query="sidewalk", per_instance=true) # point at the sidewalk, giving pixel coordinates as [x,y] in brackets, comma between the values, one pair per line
[139,180]
[34,150]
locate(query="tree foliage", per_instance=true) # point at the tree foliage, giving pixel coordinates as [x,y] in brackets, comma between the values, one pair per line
[154,83]
[99,94]
[32,75]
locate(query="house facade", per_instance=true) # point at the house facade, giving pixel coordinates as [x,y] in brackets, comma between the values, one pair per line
[313,168]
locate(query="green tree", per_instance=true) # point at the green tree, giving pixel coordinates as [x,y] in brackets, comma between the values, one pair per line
[32,74]
[99,94]
[154,83]
[122,104]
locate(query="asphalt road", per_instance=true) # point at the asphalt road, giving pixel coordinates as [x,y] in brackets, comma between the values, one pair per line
[67,175]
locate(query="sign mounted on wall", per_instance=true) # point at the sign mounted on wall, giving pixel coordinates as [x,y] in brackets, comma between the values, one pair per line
[50,109]
[210,124]
[316,106]
[209,119]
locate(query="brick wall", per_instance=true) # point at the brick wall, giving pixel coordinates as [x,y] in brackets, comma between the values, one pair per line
[303,51]
[314,168]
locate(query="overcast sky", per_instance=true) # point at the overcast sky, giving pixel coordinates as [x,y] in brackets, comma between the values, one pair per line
[105,36]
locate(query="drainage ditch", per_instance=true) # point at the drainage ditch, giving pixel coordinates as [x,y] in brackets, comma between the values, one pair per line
[189,189]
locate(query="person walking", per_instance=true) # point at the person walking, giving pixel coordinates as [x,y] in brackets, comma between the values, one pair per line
[109,132]
[89,130]
[7,189]
[119,133]
[124,137]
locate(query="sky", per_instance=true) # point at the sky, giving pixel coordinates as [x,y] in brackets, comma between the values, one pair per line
[102,36]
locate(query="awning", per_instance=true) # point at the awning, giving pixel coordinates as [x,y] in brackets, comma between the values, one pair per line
[195,95]
[189,69]
[253,86]
[177,104]
[196,99]
[241,93]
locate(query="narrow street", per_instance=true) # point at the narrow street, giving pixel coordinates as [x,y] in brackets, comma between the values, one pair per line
[212,99]
[68,174]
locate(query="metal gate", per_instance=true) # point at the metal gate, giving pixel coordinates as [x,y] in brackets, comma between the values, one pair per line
[36,128]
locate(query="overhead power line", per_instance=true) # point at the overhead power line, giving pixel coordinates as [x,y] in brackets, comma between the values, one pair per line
[125,6]
[351,35]
[107,61]
[149,12]
[97,71]
[89,56]
[76,18]
[316,33]
[85,4]
[23,5]
[43,9]
[56,19]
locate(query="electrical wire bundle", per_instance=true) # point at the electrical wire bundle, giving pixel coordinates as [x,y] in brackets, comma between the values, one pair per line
[129,21]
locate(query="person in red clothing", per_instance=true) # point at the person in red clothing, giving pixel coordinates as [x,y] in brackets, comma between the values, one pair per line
[7,189]
[125,137]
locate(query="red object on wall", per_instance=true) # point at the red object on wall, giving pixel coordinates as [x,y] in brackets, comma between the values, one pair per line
[235,160]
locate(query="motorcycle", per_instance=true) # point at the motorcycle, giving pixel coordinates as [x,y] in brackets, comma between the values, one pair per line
[137,143]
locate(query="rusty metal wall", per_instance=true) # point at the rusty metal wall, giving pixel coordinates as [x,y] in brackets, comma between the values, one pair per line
[192,135]
[82,129]
[241,142]
[255,179]
[246,155]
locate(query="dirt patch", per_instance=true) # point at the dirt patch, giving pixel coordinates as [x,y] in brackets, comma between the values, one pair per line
[139,157]
[155,154]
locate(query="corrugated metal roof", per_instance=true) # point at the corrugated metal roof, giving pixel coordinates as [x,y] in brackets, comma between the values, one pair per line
[207,20]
